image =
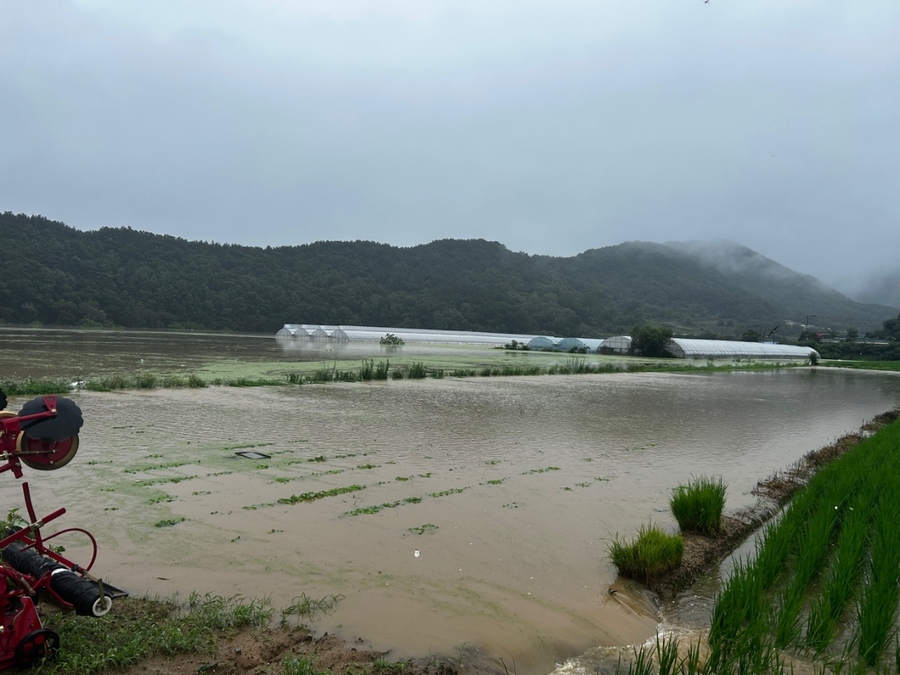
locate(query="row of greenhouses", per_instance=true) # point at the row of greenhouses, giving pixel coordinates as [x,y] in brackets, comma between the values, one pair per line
[375,334]
[684,348]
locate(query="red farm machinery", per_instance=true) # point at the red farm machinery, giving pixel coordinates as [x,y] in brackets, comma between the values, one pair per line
[43,436]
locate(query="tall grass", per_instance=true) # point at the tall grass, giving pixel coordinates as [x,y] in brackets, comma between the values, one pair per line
[650,555]
[698,506]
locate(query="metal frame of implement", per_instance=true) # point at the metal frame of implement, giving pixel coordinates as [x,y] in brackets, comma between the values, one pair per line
[23,639]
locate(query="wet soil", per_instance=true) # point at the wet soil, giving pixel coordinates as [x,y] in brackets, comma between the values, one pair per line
[264,653]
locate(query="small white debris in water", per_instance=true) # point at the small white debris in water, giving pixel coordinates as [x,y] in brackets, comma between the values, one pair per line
[416,553]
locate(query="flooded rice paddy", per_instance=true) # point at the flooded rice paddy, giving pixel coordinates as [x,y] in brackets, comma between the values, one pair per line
[453,517]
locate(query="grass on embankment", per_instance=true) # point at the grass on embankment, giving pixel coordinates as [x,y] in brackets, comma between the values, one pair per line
[140,629]
[863,365]
[369,370]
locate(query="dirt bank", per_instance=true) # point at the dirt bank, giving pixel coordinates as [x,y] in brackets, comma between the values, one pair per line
[264,653]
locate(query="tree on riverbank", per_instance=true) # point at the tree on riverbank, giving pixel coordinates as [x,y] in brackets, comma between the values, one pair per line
[650,341]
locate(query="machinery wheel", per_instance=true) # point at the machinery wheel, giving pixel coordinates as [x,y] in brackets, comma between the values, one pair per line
[38,644]
[45,455]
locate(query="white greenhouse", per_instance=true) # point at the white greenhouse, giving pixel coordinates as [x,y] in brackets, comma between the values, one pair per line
[687,348]
[543,342]
[618,344]
[572,344]
[684,348]
[375,333]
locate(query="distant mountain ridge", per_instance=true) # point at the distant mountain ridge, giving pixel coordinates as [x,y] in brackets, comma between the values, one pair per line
[57,275]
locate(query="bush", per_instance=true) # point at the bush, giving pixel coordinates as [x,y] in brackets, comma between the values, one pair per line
[698,506]
[651,555]
[416,371]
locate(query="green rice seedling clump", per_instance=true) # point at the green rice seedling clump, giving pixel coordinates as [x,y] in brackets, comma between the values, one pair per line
[698,506]
[650,555]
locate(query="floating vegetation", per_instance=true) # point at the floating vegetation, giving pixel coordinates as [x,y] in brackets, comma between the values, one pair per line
[313,496]
[495,481]
[369,510]
[402,478]
[367,466]
[246,446]
[512,505]
[451,491]
[549,468]
[155,467]
[161,481]
[422,529]
[168,522]
[161,499]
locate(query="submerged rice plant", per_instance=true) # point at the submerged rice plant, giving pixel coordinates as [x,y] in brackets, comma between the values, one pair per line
[698,506]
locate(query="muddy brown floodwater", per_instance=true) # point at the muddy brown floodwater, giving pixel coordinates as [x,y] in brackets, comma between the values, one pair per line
[451,517]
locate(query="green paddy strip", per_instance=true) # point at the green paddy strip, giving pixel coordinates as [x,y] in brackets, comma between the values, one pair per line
[833,556]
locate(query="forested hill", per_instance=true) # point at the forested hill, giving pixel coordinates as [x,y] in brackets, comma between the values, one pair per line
[57,275]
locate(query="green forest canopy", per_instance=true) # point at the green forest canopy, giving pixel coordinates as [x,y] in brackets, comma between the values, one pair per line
[119,277]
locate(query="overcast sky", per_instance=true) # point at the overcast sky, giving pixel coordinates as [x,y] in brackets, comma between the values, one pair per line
[552,127]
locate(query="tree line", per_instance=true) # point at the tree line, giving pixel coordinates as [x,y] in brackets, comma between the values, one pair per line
[119,277]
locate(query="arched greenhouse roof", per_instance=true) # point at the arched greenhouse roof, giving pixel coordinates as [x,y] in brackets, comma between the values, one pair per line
[543,342]
[292,330]
[375,333]
[570,343]
[686,348]
[619,344]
